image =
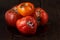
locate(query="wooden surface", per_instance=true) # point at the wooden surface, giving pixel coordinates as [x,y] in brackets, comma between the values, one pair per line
[52,7]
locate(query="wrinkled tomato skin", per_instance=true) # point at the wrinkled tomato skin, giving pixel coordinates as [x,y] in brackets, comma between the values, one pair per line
[43,16]
[11,17]
[25,8]
[24,28]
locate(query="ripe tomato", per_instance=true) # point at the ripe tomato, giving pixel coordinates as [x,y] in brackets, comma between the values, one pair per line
[41,16]
[25,8]
[11,17]
[27,25]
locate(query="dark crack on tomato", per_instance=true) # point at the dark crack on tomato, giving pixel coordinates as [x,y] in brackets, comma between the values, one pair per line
[38,19]
[31,7]
[29,23]
[22,5]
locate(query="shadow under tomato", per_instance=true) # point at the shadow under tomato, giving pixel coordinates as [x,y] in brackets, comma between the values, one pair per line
[40,29]
[13,30]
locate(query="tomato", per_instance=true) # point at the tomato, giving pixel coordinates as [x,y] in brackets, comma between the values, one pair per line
[11,17]
[27,25]
[25,8]
[41,16]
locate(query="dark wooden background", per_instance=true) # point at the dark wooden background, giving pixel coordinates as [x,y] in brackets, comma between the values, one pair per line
[52,7]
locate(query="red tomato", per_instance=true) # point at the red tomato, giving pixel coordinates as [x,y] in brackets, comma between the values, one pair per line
[41,16]
[25,8]
[27,25]
[11,17]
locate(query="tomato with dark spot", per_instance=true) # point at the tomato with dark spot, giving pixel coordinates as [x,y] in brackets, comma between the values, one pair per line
[41,16]
[27,25]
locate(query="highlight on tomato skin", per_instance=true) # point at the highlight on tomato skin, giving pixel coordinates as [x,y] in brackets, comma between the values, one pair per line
[25,8]
[41,16]
[26,25]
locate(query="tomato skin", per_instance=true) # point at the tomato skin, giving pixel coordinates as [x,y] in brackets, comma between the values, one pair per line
[44,17]
[25,28]
[11,17]
[41,16]
[25,9]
